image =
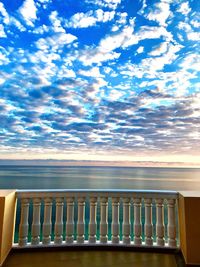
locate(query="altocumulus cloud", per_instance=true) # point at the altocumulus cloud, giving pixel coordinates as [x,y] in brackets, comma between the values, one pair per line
[100,76]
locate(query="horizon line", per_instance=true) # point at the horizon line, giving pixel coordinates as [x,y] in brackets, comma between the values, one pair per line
[97,163]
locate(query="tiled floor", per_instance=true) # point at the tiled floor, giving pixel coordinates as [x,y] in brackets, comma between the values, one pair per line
[80,258]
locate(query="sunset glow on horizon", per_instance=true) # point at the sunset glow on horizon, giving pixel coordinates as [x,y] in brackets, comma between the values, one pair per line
[110,80]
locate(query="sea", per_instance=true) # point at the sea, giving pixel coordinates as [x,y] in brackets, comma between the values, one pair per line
[65,177]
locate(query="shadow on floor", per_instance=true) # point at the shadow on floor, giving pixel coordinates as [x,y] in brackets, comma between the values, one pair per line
[92,258]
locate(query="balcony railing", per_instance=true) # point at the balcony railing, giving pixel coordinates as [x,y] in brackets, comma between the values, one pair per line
[96,218]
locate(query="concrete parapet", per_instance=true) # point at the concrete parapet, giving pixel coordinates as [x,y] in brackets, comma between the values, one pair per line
[189,223]
[7,222]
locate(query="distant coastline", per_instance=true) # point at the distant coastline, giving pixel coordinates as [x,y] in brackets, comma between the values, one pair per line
[91,163]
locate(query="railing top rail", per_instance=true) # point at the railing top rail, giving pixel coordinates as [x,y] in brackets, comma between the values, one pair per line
[42,193]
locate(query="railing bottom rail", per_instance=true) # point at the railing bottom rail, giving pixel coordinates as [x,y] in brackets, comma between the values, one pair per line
[97,245]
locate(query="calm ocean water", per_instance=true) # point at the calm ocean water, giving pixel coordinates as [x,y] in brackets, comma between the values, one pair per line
[48,177]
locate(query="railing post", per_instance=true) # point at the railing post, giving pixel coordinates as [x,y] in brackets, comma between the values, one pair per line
[137,221]
[35,239]
[148,222]
[47,221]
[115,220]
[23,227]
[104,220]
[70,220]
[160,223]
[81,220]
[59,221]
[126,221]
[171,223]
[92,223]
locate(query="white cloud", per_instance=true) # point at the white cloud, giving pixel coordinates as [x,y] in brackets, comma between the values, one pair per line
[107,70]
[68,73]
[159,62]
[10,20]
[55,42]
[56,22]
[151,67]
[191,62]
[193,36]
[112,4]
[42,56]
[111,42]
[146,32]
[2,80]
[28,11]
[115,28]
[17,24]
[184,8]
[84,20]
[104,16]
[160,13]
[184,26]
[124,87]
[93,72]
[99,83]
[180,37]
[3,57]
[4,14]
[123,39]
[122,18]
[41,30]
[140,50]
[158,84]
[144,5]
[178,79]
[115,95]
[43,3]
[2,32]
[195,23]
[132,70]
[97,55]
[161,49]
[93,92]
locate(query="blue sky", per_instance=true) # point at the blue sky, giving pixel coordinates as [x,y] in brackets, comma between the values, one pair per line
[100,79]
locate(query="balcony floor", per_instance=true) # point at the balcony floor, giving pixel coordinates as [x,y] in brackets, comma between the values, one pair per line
[91,258]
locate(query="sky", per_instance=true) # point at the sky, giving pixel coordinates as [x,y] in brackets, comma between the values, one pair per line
[100,80]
